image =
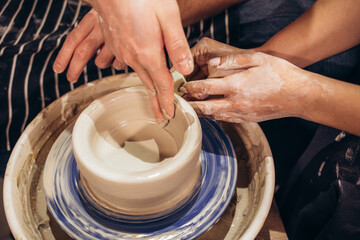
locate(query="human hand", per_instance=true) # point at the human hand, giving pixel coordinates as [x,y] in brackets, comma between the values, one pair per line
[202,52]
[80,45]
[207,49]
[136,32]
[265,87]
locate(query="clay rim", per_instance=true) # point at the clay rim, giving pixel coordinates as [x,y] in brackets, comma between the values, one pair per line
[192,139]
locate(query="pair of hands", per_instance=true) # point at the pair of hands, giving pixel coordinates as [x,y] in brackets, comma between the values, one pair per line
[242,85]
[131,33]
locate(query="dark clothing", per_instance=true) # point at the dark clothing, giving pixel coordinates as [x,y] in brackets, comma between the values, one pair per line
[32,33]
[324,203]
[313,206]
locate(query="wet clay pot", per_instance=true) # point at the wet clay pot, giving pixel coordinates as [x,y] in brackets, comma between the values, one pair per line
[131,164]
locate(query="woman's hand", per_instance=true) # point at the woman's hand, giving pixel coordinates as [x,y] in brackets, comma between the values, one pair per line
[136,32]
[263,87]
[81,45]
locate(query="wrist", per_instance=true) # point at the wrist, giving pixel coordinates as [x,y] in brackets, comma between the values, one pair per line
[313,95]
[266,48]
[91,2]
[276,49]
[303,94]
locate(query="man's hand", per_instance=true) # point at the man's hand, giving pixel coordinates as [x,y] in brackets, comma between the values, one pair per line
[207,49]
[263,87]
[202,52]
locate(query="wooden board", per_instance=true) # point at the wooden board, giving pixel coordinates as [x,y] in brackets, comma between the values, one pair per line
[273,228]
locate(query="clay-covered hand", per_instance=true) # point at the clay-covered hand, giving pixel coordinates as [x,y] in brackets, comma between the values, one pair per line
[264,87]
[207,49]
[81,45]
[137,32]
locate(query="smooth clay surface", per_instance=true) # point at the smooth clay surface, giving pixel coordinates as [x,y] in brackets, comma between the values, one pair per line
[125,137]
[132,164]
[134,147]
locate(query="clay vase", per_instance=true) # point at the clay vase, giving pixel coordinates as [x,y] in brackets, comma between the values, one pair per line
[131,165]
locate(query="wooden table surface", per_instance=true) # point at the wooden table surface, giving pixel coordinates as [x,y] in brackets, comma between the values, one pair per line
[273,228]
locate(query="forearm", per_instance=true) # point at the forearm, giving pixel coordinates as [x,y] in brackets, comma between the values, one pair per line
[192,11]
[333,103]
[327,28]
[91,2]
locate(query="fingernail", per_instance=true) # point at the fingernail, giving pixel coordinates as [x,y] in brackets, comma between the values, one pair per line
[165,114]
[200,96]
[118,66]
[100,65]
[152,92]
[172,69]
[57,68]
[71,79]
[214,61]
[159,120]
[183,90]
[185,66]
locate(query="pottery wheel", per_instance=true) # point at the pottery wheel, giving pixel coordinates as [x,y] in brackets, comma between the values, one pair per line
[83,220]
[242,219]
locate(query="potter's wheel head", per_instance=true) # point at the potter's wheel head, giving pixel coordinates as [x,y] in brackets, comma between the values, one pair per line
[218,171]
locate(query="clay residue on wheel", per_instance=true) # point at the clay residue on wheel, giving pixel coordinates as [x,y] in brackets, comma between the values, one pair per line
[55,118]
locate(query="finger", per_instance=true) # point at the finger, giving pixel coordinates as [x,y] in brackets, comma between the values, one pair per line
[210,107]
[201,53]
[195,96]
[206,49]
[76,36]
[119,64]
[172,69]
[174,38]
[164,85]
[83,53]
[215,72]
[196,68]
[155,107]
[237,61]
[211,86]
[154,102]
[105,58]
[229,117]
[162,80]
[198,74]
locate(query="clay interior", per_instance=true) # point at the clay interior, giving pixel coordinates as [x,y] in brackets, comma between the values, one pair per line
[127,138]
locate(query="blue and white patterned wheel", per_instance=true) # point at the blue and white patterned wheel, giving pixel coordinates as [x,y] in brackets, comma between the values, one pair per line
[219,175]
